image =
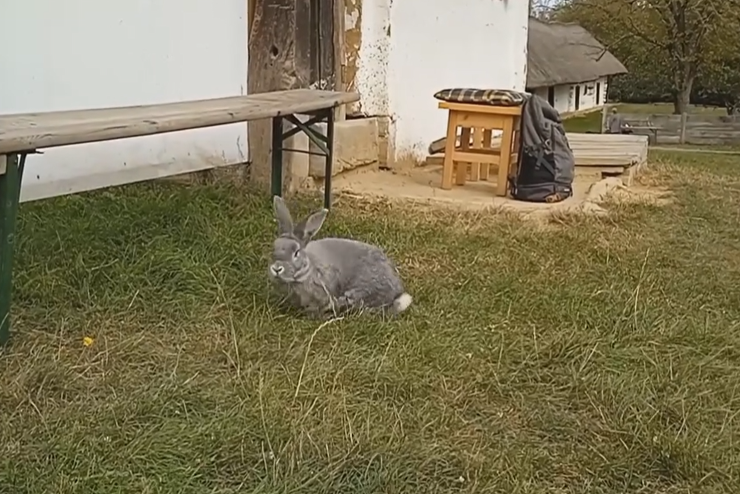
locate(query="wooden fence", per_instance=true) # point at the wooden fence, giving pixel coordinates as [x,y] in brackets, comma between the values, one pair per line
[689,128]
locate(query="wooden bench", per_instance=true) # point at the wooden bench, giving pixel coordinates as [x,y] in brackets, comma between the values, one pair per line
[647,126]
[24,134]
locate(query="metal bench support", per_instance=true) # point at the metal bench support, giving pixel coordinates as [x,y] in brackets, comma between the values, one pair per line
[325,143]
[11,175]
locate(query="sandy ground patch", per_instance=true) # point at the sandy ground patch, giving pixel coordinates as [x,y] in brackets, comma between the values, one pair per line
[422,185]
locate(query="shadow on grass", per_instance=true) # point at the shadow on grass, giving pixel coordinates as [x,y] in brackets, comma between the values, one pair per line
[600,355]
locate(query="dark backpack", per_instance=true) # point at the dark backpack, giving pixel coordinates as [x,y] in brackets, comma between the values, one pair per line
[546,164]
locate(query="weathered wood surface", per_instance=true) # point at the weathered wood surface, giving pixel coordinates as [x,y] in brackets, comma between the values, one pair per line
[25,132]
[291,46]
[323,74]
[608,149]
[272,67]
[597,150]
[697,129]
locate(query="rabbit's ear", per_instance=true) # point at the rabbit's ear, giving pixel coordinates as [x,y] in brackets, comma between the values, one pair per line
[285,222]
[311,225]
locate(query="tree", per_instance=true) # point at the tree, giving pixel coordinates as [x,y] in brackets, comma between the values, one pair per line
[670,36]
[718,82]
[540,9]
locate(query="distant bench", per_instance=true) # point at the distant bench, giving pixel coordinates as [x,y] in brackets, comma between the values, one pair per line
[24,134]
[644,125]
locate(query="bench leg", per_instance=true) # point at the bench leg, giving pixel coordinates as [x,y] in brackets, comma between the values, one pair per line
[276,180]
[325,143]
[329,157]
[11,174]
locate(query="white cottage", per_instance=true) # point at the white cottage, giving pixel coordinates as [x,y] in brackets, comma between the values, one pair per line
[568,67]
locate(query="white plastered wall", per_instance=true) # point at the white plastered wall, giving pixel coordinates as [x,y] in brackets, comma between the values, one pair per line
[412,48]
[80,54]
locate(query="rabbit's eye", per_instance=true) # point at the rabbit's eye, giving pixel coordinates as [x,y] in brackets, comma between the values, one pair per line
[295,254]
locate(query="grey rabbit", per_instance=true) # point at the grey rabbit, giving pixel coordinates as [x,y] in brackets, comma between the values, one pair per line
[332,275]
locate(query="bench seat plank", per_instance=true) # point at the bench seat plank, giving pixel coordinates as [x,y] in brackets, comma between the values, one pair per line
[28,131]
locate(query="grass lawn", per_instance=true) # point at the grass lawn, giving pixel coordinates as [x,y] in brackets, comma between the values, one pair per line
[721,148]
[667,108]
[590,122]
[591,355]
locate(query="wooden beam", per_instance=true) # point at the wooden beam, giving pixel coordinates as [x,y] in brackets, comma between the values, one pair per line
[250,16]
[292,44]
[605,110]
[26,132]
[306,37]
[338,43]
[327,67]
[272,53]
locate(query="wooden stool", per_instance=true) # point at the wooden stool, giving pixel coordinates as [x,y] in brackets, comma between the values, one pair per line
[481,119]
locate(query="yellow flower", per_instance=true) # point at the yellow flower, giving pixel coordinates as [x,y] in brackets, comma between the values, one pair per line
[87,341]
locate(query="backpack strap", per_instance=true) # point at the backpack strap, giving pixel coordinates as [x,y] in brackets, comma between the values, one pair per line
[539,155]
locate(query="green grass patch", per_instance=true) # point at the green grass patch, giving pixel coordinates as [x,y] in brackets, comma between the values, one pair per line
[593,355]
[590,122]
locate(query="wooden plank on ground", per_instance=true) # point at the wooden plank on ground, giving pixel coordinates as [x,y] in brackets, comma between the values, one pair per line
[581,162]
[25,132]
[596,150]
[588,171]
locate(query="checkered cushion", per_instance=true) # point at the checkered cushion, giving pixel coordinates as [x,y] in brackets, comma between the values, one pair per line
[494,97]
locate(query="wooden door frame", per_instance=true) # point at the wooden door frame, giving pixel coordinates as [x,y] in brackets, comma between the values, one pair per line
[338,39]
[280,59]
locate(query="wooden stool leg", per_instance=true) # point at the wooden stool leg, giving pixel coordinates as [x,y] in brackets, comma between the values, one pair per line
[502,186]
[486,144]
[448,163]
[462,167]
[477,144]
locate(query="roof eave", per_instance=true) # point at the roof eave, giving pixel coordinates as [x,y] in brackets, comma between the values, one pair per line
[563,82]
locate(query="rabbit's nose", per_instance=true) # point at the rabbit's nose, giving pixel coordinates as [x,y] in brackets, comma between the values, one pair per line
[276,269]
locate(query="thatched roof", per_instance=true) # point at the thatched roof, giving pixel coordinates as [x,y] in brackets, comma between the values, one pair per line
[566,54]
